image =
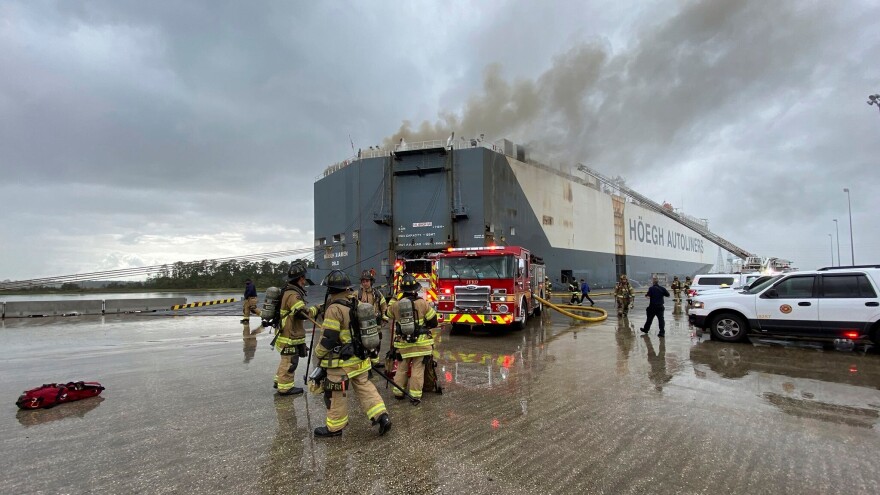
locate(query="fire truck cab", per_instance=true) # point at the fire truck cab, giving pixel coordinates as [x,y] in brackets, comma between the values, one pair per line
[491,285]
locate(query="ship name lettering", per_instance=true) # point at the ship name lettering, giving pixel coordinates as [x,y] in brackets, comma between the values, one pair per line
[652,234]
[338,254]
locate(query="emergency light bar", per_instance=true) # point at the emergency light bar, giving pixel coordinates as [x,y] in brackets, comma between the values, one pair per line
[484,248]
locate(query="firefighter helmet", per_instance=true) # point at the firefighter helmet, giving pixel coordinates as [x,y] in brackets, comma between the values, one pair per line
[623,278]
[296,271]
[366,275]
[409,284]
[337,280]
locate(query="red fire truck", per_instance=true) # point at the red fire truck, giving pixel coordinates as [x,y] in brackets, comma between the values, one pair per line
[423,269]
[490,285]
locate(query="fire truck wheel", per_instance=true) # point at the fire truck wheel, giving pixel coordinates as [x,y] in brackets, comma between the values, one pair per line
[520,322]
[539,308]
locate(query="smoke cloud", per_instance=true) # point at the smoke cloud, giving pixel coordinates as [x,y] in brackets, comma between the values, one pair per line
[628,109]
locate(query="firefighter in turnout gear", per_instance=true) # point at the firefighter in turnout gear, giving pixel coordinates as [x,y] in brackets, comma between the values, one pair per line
[370,295]
[623,293]
[687,286]
[676,290]
[575,292]
[290,339]
[346,364]
[249,304]
[414,322]
[548,288]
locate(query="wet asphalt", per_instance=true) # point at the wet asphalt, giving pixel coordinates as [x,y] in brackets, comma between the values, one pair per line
[559,407]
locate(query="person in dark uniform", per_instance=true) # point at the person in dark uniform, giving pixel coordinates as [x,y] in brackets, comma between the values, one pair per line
[585,293]
[656,293]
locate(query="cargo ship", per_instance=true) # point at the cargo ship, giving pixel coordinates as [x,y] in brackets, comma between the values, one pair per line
[417,198]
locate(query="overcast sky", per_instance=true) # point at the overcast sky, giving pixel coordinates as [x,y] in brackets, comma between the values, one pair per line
[136,133]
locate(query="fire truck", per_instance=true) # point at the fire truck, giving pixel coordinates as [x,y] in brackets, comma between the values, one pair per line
[424,271]
[491,285]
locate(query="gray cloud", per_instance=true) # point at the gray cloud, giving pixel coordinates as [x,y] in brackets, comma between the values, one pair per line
[747,109]
[138,132]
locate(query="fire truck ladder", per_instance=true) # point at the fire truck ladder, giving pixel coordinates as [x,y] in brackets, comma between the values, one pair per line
[687,222]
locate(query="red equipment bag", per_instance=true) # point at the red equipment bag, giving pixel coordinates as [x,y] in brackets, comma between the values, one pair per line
[52,394]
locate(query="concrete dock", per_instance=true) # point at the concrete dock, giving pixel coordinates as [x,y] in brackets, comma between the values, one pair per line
[558,407]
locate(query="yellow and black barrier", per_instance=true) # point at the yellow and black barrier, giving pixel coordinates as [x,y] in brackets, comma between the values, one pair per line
[204,303]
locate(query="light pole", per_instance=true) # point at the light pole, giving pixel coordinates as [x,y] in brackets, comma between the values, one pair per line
[838,242]
[831,241]
[849,207]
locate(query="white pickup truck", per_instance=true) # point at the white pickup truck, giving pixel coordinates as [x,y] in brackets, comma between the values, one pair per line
[719,282]
[829,303]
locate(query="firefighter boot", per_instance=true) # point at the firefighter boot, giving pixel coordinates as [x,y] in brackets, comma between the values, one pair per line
[292,391]
[384,423]
[322,431]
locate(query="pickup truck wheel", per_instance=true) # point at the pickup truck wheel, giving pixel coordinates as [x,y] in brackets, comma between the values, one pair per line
[875,336]
[728,327]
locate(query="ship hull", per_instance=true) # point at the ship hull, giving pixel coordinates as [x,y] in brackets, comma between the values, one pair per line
[376,209]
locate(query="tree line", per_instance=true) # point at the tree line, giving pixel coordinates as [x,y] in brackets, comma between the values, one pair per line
[198,275]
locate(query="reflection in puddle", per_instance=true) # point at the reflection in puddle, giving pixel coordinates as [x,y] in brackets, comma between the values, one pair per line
[823,411]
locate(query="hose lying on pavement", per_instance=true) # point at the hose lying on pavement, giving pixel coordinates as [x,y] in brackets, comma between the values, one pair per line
[564,309]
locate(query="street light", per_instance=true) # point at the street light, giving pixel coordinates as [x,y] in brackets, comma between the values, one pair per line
[838,242]
[849,207]
[831,241]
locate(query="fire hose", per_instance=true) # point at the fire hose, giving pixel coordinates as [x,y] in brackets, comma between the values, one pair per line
[567,309]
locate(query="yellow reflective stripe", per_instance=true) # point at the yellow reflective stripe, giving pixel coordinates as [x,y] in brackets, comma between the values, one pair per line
[298,306]
[331,324]
[285,386]
[416,393]
[413,354]
[313,311]
[345,336]
[337,423]
[362,367]
[430,313]
[339,363]
[376,410]
[285,342]
[424,340]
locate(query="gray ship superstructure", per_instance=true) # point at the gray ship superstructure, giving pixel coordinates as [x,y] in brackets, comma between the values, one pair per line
[429,196]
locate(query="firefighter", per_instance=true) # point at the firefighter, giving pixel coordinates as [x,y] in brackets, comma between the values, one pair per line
[414,322]
[575,292]
[346,370]
[623,293]
[290,339]
[249,306]
[370,295]
[687,285]
[548,287]
[676,290]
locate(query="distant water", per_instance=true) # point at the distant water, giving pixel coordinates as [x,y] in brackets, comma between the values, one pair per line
[190,296]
